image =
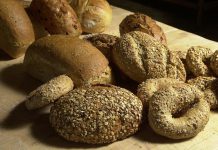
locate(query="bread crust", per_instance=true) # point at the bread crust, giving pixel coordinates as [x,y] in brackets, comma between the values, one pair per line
[54,55]
[16,31]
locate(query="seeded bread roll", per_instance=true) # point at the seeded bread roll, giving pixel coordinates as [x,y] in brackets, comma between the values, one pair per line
[141,57]
[94,15]
[214,62]
[143,23]
[104,42]
[54,55]
[56,16]
[16,31]
[96,114]
[49,92]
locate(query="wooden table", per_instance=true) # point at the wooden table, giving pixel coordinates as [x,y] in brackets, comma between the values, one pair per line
[24,130]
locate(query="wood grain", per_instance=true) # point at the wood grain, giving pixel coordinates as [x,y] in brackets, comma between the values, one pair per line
[21,129]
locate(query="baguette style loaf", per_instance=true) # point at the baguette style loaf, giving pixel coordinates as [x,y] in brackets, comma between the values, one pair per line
[54,55]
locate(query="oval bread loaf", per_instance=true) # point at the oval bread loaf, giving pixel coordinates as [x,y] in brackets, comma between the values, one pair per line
[16,31]
[54,55]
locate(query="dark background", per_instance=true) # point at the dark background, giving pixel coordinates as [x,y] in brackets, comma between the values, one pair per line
[182,14]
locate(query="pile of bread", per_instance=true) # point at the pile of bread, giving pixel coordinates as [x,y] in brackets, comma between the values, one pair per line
[92,82]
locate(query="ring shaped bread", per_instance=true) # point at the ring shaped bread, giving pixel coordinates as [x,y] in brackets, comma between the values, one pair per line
[178,111]
[49,92]
[197,59]
[149,87]
[96,114]
[214,62]
[141,57]
[209,85]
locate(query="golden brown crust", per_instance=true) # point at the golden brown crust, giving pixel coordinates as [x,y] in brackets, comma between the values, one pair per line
[178,111]
[96,114]
[143,23]
[94,15]
[197,59]
[49,92]
[60,54]
[142,57]
[208,85]
[16,31]
[56,16]
[104,42]
[149,87]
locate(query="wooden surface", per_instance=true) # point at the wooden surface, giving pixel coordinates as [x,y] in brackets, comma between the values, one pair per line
[21,129]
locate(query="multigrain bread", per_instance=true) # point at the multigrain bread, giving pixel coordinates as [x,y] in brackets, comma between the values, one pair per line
[97,114]
[16,31]
[214,62]
[208,85]
[149,87]
[141,57]
[94,15]
[178,111]
[143,23]
[56,16]
[49,92]
[104,42]
[54,55]
[198,59]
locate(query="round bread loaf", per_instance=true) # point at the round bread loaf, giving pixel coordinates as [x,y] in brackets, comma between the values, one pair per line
[141,57]
[56,16]
[143,23]
[16,31]
[178,111]
[54,55]
[104,42]
[149,87]
[49,92]
[198,59]
[94,15]
[96,114]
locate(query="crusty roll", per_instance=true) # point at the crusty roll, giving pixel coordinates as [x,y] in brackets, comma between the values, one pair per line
[94,15]
[56,16]
[16,31]
[53,55]
[143,23]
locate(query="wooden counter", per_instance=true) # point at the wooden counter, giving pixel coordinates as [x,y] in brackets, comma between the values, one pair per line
[24,130]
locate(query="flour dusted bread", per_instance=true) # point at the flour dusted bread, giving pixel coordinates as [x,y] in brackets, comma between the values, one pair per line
[16,31]
[56,16]
[94,15]
[51,56]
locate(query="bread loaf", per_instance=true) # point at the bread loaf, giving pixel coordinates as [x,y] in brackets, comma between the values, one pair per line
[16,31]
[56,16]
[54,55]
[94,15]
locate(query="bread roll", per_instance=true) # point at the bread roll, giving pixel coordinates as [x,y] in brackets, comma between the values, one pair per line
[143,23]
[16,31]
[56,16]
[94,15]
[54,55]
[141,57]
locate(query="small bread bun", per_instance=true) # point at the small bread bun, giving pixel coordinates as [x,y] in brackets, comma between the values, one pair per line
[56,16]
[149,87]
[94,15]
[214,62]
[178,111]
[140,56]
[49,92]
[143,23]
[54,55]
[96,114]
[104,42]
[198,60]
[16,30]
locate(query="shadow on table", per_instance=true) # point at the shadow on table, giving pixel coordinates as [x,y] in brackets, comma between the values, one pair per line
[44,133]
[4,56]
[20,116]
[16,78]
